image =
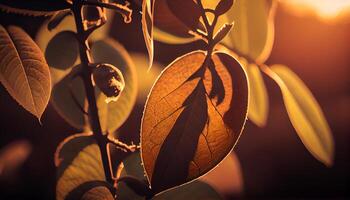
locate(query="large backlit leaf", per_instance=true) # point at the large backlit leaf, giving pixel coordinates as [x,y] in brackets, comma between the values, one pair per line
[192,191]
[23,70]
[147,26]
[34,8]
[227,177]
[193,118]
[305,114]
[253,32]
[80,168]
[195,190]
[114,114]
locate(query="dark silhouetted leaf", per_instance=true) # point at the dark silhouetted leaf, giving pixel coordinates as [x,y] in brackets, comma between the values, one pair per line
[34,8]
[79,165]
[305,113]
[222,32]
[23,70]
[192,191]
[132,166]
[58,18]
[185,132]
[168,28]
[140,187]
[187,11]
[223,6]
[147,26]
[62,50]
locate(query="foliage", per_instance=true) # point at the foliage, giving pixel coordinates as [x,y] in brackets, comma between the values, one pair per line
[194,113]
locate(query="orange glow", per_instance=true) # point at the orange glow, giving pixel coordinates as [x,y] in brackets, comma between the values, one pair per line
[325,9]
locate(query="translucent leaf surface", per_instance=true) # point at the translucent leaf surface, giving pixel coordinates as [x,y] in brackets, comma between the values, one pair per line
[23,70]
[193,117]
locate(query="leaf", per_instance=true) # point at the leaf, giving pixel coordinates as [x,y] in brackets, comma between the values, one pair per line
[61,98]
[169,38]
[304,113]
[227,177]
[98,193]
[132,167]
[258,102]
[58,18]
[254,29]
[62,50]
[186,129]
[147,27]
[167,27]
[80,167]
[23,70]
[192,191]
[114,114]
[223,6]
[225,29]
[33,8]
[188,12]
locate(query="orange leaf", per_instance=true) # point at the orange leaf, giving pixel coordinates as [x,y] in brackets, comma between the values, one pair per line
[193,118]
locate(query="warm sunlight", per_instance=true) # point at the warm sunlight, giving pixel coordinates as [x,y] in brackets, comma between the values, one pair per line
[326,9]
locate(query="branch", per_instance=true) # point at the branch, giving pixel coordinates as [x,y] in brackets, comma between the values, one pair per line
[89,89]
[122,146]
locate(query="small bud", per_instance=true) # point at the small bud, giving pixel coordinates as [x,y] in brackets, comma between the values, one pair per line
[109,80]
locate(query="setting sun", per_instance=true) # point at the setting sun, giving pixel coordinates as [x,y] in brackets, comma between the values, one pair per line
[326,9]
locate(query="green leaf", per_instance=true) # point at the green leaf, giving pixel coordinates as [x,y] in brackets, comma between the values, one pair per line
[132,167]
[258,102]
[114,114]
[23,70]
[62,50]
[62,99]
[80,168]
[193,191]
[253,33]
[34,8]
[305,114]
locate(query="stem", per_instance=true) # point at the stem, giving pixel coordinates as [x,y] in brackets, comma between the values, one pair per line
[89,89]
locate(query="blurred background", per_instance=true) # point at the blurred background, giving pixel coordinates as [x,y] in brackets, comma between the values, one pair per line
[311,37]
